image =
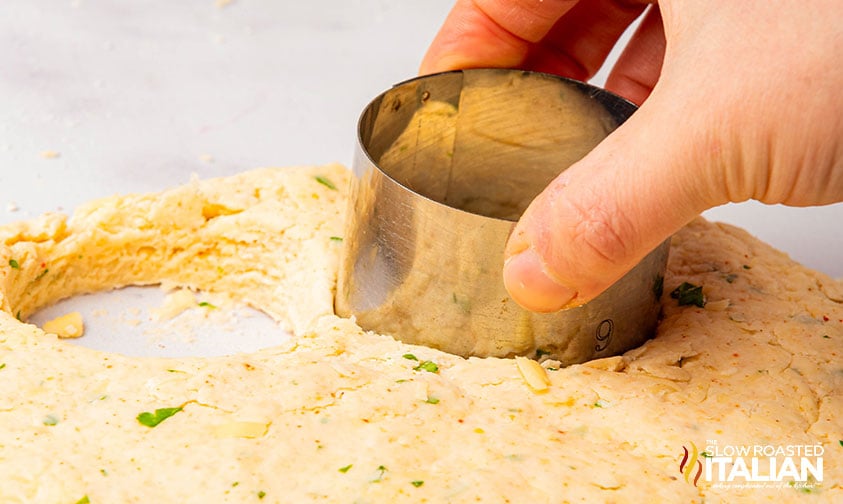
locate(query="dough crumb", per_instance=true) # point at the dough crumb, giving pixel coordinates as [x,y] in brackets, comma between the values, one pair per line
[174,304]
[69,325]
[48,154]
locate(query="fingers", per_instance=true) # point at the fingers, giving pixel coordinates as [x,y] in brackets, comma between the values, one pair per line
[604,214]
[735,108]
[638,68]
[579,42]
[564,37]
[493,33]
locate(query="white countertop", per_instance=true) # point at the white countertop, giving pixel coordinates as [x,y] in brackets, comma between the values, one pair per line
[136,96]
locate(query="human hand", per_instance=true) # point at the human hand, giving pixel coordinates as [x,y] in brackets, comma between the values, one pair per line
[741,100]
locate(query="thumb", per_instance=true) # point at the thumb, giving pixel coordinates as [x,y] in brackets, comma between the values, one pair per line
[602,215]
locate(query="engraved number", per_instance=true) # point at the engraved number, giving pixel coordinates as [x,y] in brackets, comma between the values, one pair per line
[604,334]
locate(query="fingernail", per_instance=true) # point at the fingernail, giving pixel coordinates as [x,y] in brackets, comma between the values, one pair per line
[531,287]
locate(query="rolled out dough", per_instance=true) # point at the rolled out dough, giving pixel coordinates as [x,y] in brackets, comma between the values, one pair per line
[342,415]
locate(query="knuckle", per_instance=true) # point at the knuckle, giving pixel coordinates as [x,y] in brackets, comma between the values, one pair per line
[601,235]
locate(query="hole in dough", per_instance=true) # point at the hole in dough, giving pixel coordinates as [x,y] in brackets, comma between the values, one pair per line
[151,322]
[257,238]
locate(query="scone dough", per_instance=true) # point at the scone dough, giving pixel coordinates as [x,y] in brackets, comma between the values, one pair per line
[341,415]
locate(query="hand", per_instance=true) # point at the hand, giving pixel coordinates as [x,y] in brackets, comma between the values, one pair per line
[741,100]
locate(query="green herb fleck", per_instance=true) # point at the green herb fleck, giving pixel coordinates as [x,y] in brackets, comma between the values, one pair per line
[689,294]
[381,471]
[235,484]
[14,264]
[17,316]
[826,336]
[541,352]
[600,403]
[410,356]
[208,305]
[50,420]
[402,380]
[345,469]
[428,366]
[325,182]
[2,365]
[336,238]
[731,277]
[747,266]
[161,414]
[103,472]
[41,275]
[658,287]
[84,500]
[432,400]
[261,494]
[417,483]
[464,302]
[840,441]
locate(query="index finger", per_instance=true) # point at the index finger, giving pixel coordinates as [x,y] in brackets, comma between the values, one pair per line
[491,33]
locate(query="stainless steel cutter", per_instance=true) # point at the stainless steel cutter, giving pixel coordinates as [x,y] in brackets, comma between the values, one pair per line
[445,165]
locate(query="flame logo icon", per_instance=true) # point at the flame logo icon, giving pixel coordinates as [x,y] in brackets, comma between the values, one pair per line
[686,466]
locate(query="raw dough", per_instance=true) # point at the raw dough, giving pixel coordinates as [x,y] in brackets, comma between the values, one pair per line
[339,415]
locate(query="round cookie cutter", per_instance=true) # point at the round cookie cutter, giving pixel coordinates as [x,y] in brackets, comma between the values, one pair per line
[445,164]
